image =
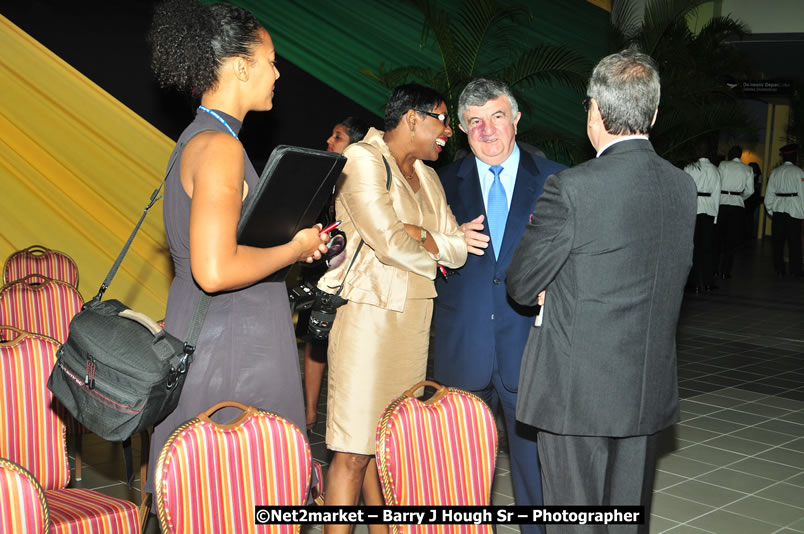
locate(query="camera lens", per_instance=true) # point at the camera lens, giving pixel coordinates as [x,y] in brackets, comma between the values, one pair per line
[320,323]
[322,314]
[336,244]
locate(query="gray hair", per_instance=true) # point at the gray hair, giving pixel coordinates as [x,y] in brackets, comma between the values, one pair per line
[481,90]
[626,88]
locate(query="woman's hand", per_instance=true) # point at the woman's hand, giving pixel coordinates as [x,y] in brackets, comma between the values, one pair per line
[310,243]
[476,241]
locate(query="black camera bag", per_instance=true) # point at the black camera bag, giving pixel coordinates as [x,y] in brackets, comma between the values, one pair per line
[119,372]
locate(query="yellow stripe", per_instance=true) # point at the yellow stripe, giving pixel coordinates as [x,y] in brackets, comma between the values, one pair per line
[76,169]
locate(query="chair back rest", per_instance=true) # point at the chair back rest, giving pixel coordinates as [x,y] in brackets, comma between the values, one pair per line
[31,434]
[23,507]
[37,259]
[40,305]
[210,476]
[439,452]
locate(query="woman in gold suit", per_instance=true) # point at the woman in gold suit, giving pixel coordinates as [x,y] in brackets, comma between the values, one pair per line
[379,340]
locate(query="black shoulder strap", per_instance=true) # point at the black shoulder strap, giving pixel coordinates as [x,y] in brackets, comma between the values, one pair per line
[203,300]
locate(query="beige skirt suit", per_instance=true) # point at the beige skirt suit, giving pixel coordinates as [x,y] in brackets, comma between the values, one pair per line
[379,341]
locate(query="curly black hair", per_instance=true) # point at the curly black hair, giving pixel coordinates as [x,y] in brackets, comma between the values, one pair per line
[189,42]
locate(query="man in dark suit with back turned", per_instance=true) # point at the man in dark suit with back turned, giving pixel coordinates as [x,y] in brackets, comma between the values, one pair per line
[480,333]
[607,253]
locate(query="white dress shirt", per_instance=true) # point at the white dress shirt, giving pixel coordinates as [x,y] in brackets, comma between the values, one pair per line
[707,180]
[736,177]
[507,176]
[786,178]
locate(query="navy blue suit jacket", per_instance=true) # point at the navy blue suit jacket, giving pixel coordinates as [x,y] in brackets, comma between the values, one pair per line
[475,320]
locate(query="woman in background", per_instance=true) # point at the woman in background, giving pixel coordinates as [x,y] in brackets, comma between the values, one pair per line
[379,340]
[349,130]
[246,351]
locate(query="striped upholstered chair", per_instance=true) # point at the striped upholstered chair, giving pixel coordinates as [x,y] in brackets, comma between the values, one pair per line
[438,452]
[45,306]
[41,305]
[37,259]
[23,507]
[33,435]
[210,476]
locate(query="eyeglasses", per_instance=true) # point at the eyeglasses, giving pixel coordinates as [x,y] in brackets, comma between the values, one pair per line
[443,117]
[587,103]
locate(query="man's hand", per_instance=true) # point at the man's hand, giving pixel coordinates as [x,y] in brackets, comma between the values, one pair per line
[475,240]
[541,297]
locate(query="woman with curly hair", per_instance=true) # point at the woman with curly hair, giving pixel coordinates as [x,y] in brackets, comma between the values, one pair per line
[246,351]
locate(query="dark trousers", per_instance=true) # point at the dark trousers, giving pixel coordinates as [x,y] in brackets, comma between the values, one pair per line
[598,471]
[702,263]
[522,448]
[729,235]
[751,205]
[786,229]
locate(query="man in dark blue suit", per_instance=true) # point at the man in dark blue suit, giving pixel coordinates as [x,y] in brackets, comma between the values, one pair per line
[480,333]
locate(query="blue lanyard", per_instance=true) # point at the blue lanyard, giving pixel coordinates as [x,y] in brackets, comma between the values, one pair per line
[219,118]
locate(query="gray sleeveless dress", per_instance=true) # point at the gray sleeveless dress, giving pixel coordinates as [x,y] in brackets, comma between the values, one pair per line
[247,348]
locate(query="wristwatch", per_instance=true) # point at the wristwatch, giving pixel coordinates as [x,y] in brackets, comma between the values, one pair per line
[423,238]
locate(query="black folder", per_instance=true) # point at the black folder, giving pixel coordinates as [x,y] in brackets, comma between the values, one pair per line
[295,187]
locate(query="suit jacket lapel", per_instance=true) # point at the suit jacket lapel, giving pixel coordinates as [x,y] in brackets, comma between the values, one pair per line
[525,190]
[469,188]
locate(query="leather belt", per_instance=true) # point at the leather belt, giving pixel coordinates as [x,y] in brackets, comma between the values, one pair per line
[730,192]
[704,194]
[786,194]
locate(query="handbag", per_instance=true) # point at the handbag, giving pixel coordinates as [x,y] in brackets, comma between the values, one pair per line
[325,305]
[119,372]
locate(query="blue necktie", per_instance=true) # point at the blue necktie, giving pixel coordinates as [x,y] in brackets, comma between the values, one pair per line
[497,210]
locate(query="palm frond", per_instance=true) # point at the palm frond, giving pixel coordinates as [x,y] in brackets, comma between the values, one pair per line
[720,28]
[795,125]
[662,15]
[398,76]
[549,64]
[437,23]
[626,22]
[711,48]
[695,100]
[679,128]
[476,20]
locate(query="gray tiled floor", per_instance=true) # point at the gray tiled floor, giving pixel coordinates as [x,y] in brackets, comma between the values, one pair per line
[735,462]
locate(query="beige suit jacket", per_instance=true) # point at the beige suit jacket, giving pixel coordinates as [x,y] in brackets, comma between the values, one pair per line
[391,266]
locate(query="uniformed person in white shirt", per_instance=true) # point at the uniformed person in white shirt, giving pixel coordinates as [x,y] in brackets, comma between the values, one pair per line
[736,185]
[707,180]
[784,201]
